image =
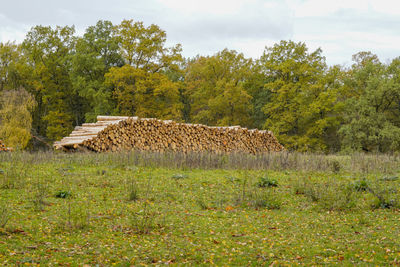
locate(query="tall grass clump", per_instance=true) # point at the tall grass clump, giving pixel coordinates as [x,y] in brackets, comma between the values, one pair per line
[14,177]
[74,215]
[330,195]
[5,215]
[278,161]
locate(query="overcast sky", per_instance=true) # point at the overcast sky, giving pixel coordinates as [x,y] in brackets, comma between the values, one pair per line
[340,27]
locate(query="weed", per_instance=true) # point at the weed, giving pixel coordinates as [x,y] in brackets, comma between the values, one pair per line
[13,178]
[147,219]
[390,179]
[385,198]
[265,199]
[144,221]
[39,195]
[202,204]
[267,182]
[232,179]
[361,185]
[335,166]
[300,186]
[328,196]
[5,215]
[133,191]
[63,194]
[76,216]
[179,176]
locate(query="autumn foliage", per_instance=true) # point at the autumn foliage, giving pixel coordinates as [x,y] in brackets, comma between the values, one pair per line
[128,70]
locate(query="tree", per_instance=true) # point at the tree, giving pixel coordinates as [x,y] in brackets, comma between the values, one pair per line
[260,96]
[145,85]
[96,52]
[140,93]
[371,115]
[13,68]
[301,100]
[15,117]
[216,89]
[48,53]
[144,47]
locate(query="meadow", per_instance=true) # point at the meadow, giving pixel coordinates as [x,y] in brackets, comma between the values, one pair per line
[137,208]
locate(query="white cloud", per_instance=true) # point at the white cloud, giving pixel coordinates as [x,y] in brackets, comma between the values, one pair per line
[391,7]
[341,27]
[318,8]
[214,7]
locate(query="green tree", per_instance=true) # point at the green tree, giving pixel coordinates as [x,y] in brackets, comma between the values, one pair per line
[215,86]
[48,53]
[260,96]
[144,47]
[371,115]
[14,72]
[15,117]
[301,101]
[96,52]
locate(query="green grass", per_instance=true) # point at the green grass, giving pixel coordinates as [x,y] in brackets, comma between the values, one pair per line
[124,209]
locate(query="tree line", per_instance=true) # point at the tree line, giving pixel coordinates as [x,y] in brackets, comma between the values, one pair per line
[55,80]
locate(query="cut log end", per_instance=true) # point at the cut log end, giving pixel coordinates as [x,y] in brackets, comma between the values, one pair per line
[111,133]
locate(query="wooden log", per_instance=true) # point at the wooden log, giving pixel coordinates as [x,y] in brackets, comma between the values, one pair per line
[117,133]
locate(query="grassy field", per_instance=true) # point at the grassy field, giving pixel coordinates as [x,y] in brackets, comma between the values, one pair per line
[138,209]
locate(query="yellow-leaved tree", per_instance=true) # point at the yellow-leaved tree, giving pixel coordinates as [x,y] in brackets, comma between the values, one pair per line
[142,86]
[15,117]
[144,94]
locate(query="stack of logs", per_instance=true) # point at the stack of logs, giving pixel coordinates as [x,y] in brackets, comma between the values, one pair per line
[158,135]
[3,147]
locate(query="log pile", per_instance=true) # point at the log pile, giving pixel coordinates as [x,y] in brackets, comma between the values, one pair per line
[3,147]
[127,133]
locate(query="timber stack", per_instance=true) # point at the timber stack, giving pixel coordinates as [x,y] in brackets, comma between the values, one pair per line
[3,147]
[111,133]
